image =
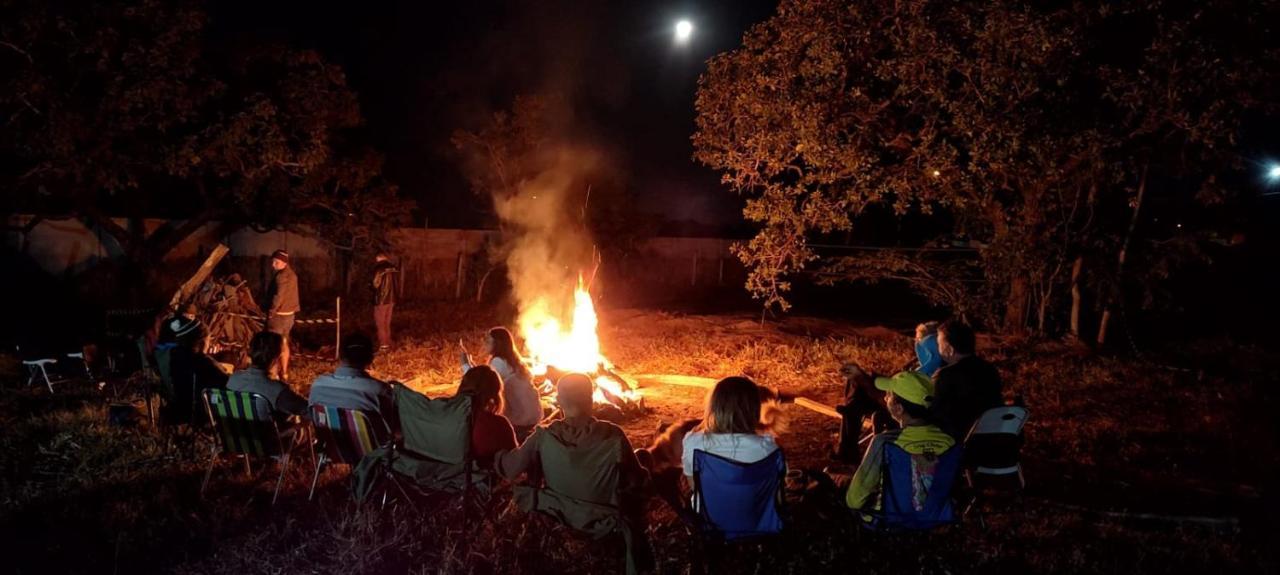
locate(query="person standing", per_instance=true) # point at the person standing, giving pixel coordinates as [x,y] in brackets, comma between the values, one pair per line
[284,305]
[386,287]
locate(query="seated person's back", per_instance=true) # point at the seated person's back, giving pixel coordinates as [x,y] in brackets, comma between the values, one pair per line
[907,399]
[350,386]
[490,432]
[264,350]
[190,372]
[967,385]
[731,427]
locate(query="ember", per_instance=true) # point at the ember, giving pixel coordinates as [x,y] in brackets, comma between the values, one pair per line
[554,350]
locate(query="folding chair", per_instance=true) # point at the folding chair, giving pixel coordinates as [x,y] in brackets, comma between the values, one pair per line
[434,456]
[736,503]
[38,368]
[915,490]
[579,488]
[993,446]
[345,436]
[245,428]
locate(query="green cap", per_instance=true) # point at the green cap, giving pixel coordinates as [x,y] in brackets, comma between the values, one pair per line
[910,386]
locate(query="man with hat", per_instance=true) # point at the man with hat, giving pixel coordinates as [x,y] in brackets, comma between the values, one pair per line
[386,288]
[284,305]
[908,396]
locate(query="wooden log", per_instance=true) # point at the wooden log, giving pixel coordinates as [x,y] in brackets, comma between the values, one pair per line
[708,383]
[189,287]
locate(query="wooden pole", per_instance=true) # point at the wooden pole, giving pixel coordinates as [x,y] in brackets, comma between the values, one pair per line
[720,276]
[708,383]
[337,330]
[693,279]
[457,290]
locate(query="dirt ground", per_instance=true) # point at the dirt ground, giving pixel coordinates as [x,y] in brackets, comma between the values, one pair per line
[1160,463]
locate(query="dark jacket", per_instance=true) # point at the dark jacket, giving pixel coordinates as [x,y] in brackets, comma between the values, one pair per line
[964,390]
[284,292]
[386,283]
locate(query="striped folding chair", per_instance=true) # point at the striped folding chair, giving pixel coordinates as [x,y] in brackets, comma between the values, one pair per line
[345,436]
[245,428]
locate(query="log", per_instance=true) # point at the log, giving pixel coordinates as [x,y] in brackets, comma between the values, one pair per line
[188,288]
[708,383]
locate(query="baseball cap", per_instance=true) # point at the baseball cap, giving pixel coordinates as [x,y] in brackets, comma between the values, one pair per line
[281,255]
[910,386]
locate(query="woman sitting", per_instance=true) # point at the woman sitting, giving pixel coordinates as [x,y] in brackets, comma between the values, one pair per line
[734,425]
[490,432]
[521,403]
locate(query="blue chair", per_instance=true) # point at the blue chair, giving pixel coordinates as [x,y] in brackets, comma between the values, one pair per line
[738,501]
[904,475]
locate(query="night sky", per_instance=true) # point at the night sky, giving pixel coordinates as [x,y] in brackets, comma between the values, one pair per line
[425,69]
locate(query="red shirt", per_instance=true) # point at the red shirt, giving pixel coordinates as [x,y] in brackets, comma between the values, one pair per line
[490,433]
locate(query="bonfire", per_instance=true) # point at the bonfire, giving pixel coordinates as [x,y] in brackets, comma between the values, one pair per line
[555,348]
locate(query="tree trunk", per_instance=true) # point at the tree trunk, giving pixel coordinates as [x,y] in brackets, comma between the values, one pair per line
[1076,271]
[1015,310]
[1124,251]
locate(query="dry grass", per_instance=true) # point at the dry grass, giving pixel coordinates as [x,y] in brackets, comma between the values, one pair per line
[1106,434]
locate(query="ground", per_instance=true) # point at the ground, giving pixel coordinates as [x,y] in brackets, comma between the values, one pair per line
[1134,464]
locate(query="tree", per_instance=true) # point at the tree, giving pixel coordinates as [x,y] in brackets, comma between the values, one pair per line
[1003,115]
[124,109]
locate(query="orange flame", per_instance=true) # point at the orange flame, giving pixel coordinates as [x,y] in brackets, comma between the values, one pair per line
[577,349]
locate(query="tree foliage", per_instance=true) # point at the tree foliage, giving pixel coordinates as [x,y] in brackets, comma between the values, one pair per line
[126,109]
[1030,125]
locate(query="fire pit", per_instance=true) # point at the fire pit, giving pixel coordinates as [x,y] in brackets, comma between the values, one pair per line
[554,351]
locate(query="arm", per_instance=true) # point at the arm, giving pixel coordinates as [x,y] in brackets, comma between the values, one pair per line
[866,480]
[510,464]
[277,296]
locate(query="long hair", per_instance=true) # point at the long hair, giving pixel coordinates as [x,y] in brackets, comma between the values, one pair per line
[504,346]
[733,407]
[484,385]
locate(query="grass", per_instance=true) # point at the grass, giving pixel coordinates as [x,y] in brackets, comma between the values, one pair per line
[1112,443]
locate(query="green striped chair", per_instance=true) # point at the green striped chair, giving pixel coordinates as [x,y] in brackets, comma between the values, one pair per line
[245,428]
[345,436]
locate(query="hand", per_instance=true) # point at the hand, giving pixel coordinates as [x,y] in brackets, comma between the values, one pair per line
[466,358]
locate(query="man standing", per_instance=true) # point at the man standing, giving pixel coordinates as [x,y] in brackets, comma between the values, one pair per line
[967,385]
[386,286]
[284,305]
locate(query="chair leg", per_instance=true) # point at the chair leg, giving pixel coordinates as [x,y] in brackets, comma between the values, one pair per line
[213,460]
[248,467]
[1022,481]
[316,477]
[47,381]
[284,467]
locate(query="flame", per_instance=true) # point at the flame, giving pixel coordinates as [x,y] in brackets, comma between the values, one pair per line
[574,349]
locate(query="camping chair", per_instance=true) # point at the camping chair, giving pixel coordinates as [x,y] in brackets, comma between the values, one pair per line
[434,455]
[736,502]
[901,507]
[994,444]
[245,428]
[992,450]
[345,436]
[579,488]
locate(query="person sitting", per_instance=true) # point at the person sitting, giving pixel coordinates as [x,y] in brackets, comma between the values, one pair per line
[579,494]
[190,371]
[521,404]
[926,346]
[490,432]
[907,396]
[732,426]
[967,385]
[351,387]
[264,352]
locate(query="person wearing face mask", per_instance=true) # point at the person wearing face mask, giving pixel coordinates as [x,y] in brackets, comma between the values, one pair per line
[966,385]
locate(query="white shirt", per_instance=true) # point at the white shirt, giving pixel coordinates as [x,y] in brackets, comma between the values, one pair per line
[521,404]
[740,447]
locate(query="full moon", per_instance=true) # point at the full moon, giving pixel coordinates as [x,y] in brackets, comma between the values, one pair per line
[684,29]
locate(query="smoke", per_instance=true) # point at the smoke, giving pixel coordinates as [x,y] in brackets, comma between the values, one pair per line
[548,244]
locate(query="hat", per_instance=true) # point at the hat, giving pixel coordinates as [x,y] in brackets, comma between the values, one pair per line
[182,326]
[910,386]
[281,255]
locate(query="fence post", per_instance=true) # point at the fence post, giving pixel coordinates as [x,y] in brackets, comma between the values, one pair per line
[457,290]
[720,276]
[337,330]
[693,279]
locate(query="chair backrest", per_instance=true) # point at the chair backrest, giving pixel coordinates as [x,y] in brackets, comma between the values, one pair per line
[994,444]
[439,429]
[347,435]
[916,489]
[590,474]
[243,422]
[739,500]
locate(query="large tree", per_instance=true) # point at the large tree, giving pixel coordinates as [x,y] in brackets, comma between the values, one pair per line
[1016,120]
[126,110]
